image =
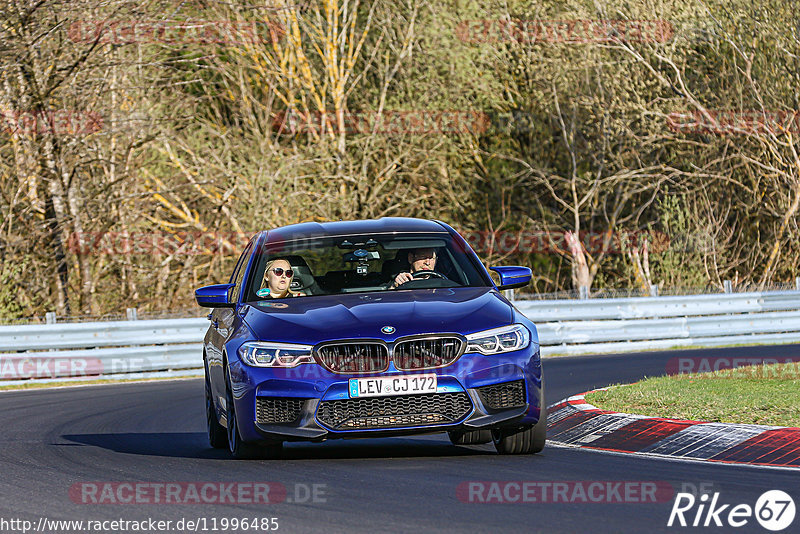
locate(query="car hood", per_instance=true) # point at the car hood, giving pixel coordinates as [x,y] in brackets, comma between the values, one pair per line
[311,320]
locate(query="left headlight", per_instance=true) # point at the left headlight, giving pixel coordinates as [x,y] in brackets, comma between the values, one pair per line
[498,340]
[265,354]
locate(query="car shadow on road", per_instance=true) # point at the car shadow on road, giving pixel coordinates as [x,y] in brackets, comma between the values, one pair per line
[195,445]
[170,444]
[419,447]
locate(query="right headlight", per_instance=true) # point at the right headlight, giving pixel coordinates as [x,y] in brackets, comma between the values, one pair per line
[267,354]
[499,340]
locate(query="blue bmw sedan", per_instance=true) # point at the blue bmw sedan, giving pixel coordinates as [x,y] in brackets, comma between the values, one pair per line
[369,328]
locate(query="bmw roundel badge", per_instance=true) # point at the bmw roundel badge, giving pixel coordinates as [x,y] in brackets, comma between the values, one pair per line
[388,330]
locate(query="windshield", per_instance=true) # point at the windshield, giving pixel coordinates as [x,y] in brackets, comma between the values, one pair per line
[355,264]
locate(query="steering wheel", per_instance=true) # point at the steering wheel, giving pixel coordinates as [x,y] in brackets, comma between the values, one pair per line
[420,274]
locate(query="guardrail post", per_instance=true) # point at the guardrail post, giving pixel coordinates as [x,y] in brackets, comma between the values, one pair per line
[131,313]
[584,292]
[797,283]
[728,286]
[50,317]
[509,293]
[653,290]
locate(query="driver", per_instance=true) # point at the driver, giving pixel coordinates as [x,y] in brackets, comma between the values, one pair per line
[421,259]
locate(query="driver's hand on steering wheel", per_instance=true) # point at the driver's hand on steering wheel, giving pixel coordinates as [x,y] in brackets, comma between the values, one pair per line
[401,279]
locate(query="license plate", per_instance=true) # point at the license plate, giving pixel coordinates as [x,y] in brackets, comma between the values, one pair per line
[392,385]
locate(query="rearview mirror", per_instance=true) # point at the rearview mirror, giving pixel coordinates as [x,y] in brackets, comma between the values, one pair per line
[513,276]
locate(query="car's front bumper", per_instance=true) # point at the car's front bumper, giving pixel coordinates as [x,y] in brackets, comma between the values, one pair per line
[466,381]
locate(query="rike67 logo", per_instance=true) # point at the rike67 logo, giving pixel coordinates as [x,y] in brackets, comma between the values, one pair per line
[774,510]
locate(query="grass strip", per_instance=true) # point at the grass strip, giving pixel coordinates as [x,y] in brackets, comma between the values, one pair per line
[760,394]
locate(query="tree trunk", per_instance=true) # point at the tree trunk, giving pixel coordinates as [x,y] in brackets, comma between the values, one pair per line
[581,277]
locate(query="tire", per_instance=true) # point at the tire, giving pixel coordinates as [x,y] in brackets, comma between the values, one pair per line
[239,449]
[217,435]
[540,429]
[540,432]
[471,437]
[513,440]
[527,440]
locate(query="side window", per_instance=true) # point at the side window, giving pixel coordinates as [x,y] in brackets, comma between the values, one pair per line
[238,274]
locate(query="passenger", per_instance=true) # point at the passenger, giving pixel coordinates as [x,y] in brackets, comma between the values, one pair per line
[421,259]
[277,279]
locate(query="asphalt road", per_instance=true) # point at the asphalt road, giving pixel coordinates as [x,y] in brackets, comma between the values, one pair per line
[58,446]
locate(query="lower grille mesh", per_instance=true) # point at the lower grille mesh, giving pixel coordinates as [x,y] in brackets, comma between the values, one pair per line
[393,412]
[501,396]
[272,410]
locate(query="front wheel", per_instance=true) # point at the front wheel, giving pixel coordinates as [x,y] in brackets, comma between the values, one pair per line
[525,440]
[242,450]
[540,432]
[217,435]
[513,441]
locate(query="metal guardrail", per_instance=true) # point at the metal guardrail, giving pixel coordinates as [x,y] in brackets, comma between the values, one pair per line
[58,350]
[106,334]
[673,306]
[652,323]
[48,351]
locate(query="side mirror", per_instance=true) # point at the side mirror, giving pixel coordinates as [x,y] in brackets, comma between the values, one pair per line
[215,296]
[513,276]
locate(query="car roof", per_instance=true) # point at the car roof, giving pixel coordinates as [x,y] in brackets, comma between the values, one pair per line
[384,225]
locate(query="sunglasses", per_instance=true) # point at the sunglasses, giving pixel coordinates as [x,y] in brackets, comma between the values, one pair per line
[279,272]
